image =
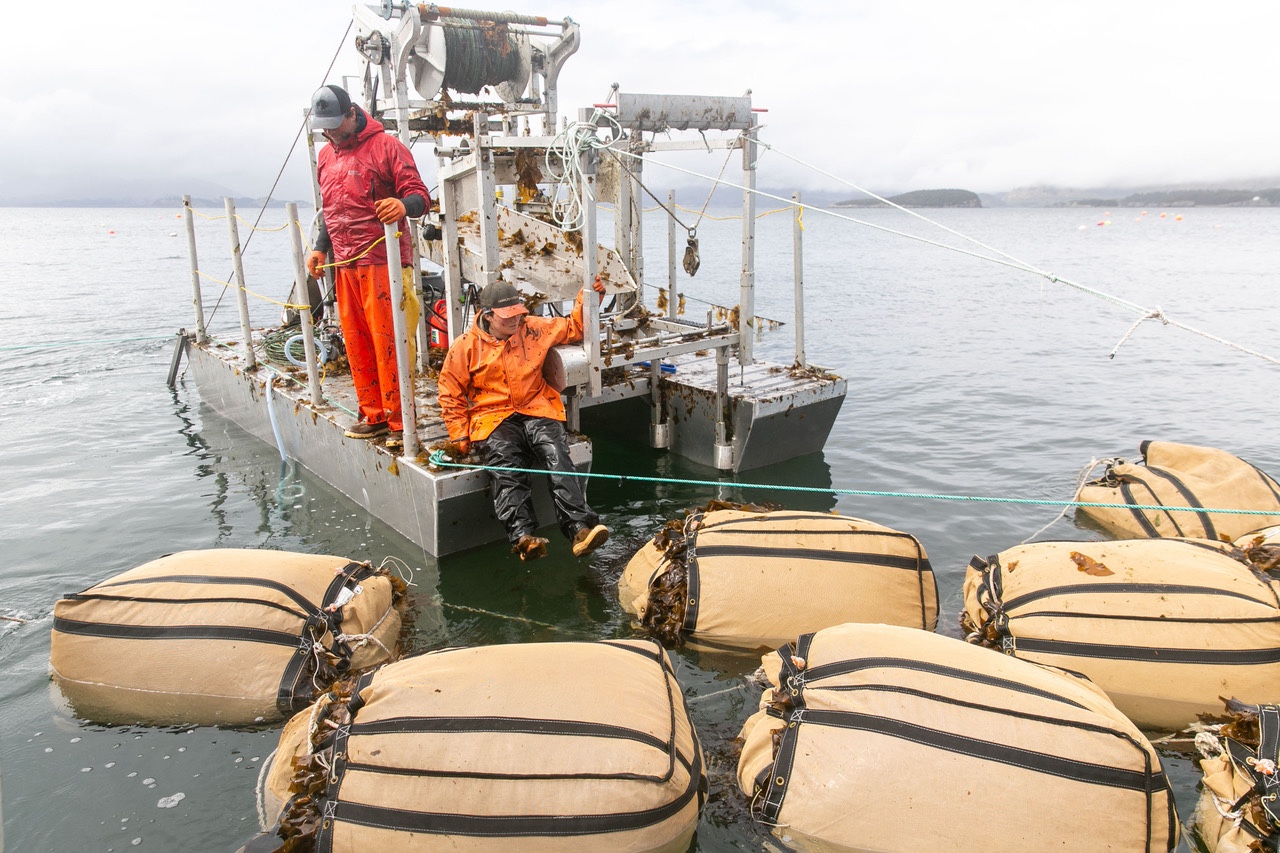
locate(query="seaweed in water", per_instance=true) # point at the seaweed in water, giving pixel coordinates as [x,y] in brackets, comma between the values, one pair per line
[664,613]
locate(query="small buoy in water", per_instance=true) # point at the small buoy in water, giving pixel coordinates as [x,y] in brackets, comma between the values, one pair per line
[1178,218]
[1163,215]
[110,232]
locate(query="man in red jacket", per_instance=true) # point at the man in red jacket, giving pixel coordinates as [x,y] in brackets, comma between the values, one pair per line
[367,178]
[492,394]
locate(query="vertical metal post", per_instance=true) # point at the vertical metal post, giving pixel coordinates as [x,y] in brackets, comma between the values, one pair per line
[659,427]
[672,299]
[311,154]
[590,304]
[723,451]
[625,210]
[304,295]
[196,298]
[242,296]
[747,290]
[486,188]
[637,221]
[450,209]
[572,410]
[404,369]
[317,203]
[797,232]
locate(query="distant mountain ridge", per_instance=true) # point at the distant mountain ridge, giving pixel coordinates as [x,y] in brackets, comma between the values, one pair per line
[1263,192]
[920,198]
[1048,196]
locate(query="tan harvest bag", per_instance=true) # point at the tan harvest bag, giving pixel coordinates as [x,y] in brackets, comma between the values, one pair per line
[1238,794]
[532,747]
[221,637]
[892,739]
[1164,626]
[755,579]
[1181,475]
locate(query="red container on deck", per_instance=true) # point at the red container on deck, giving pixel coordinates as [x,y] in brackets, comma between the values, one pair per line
[439,323]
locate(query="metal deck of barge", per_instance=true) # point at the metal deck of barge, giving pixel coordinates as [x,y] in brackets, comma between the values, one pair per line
[710,399]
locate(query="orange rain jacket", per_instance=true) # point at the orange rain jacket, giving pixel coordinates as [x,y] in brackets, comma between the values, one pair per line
[483,379]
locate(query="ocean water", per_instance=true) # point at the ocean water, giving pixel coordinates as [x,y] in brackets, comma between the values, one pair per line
[966,377]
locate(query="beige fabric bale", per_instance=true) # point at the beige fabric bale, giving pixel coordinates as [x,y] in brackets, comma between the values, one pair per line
[220,637]
[1216,821]
[896,739]
[1164,626]
[535,747]
[1181,475]
[1238,810]
[755,579]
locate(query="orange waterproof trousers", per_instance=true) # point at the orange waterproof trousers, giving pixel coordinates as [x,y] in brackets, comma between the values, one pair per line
[368,332]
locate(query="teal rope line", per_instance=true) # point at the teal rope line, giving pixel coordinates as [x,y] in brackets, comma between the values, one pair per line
[87,343]
[439,459]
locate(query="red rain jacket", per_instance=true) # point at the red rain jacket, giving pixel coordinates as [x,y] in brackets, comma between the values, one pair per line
[372,165]
[483,379]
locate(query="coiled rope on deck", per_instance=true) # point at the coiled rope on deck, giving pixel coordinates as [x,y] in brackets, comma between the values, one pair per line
[439,459]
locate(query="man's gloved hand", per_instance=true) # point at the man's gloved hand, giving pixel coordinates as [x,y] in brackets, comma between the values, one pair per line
[314,263]
[464,446]
[598,287]
[389,210]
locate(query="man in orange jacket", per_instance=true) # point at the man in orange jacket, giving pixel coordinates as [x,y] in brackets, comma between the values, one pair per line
[493,397]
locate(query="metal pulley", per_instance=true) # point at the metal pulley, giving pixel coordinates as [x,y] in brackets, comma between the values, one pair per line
[691,260]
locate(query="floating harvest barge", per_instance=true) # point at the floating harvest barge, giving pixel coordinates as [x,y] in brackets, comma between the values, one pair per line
[518,200]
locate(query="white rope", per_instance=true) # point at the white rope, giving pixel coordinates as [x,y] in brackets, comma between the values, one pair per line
[1156,314]
[260,792]
[1000,258]
[401,568]
[696,699]
[563,156]
[369,635]
[1075,497]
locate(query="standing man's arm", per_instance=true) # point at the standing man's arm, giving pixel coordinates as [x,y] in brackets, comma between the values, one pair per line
[321,251]
[410,197]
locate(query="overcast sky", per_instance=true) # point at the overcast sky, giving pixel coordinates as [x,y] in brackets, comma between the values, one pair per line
[140,99]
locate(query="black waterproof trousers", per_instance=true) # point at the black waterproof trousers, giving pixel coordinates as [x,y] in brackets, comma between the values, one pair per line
[524,441]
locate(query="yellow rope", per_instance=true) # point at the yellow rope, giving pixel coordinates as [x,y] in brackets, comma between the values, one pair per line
[335,264]
[252,227]
[251,293]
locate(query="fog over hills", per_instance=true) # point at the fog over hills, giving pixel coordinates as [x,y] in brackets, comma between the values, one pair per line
[1257,192]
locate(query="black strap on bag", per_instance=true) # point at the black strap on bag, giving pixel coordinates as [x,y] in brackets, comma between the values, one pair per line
[693,586]
[791,679]
[1262,768]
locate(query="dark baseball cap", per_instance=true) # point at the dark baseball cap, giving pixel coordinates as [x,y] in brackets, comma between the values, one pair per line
[502,299]
[329,106]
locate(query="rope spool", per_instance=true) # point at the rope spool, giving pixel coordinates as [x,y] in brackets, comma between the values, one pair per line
[479,55]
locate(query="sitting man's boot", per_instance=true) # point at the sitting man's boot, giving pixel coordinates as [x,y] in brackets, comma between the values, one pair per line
[587,539]
[530,547]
